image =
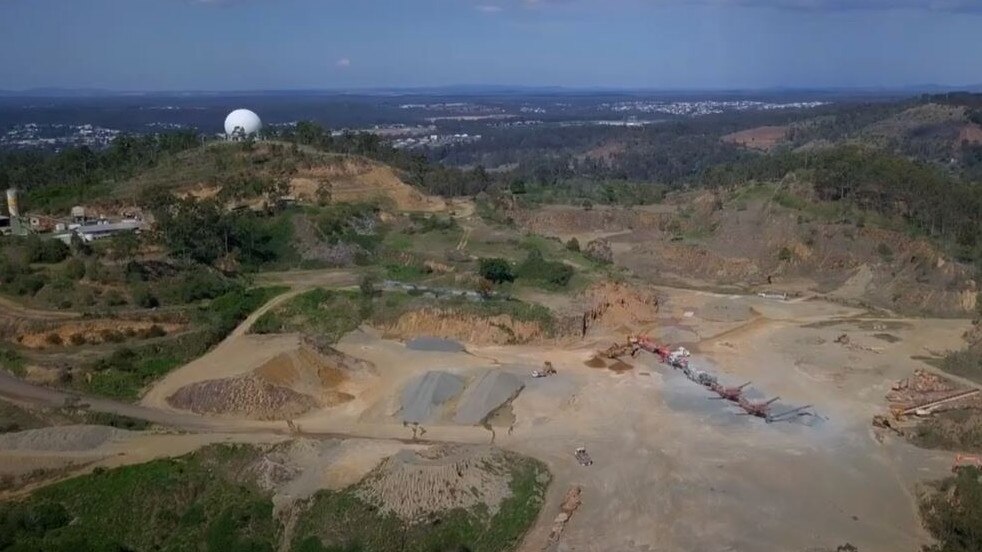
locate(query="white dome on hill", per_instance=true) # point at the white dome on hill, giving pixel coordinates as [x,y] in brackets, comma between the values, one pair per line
[241,123]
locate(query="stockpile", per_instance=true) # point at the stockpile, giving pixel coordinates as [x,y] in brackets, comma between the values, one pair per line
[412,485]
[424,396]
[246,396]
[62,438]
[283,387]
[493,389]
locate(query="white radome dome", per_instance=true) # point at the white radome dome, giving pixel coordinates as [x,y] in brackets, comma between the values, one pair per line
[242,119]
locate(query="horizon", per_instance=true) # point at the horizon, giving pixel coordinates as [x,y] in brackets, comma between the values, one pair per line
[660,45]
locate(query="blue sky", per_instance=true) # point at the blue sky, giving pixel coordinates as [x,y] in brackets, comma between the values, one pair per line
[289,44]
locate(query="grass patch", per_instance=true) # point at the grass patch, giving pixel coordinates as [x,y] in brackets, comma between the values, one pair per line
[966,363]
[203,501]
[125,372]
[12,361]
[329,313]
[340,521]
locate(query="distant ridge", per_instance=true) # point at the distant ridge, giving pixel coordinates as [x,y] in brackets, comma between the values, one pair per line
[499,90]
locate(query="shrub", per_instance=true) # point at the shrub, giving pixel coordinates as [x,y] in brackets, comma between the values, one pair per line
[496,270]
[785,254]
[74,269]
[599,250]
[112,336]
[552,273]
[367,285]
[573,245]
[53,339]
[143,298]
[953,513]
[77,339]
[153,331]
[885,252]
[114,299]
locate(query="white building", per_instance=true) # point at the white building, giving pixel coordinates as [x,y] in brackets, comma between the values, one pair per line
[241,124]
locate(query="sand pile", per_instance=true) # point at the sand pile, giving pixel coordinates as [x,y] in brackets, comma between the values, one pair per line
[425,394]
[468,328]
[614,305]
[493,389]
[285,386]
[412,485]
[62,438]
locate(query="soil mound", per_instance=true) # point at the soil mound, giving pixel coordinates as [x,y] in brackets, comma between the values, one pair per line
[285,386]
[413,485]
[62,438]
[500,329]
[424,395]
[353,180]
[615,305]
[492,390]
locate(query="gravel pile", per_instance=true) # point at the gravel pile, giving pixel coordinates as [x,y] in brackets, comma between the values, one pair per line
[62,438]
[493,389]
[423,396]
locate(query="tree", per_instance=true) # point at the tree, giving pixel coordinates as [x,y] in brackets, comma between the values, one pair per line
[496,270]
[367,285]
[46,251]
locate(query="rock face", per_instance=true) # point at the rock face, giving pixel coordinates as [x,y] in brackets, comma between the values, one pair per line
[468,328]
[424,395]
[614,305]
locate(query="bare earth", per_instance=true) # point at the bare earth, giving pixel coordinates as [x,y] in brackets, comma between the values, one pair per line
[673,470]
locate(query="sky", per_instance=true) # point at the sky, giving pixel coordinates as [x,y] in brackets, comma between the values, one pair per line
[147,45]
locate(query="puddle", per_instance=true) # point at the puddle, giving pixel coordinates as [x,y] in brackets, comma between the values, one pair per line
[434,344]
[614,365]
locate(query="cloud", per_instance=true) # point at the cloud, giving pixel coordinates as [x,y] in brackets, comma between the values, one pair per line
[343,63]
[488,8]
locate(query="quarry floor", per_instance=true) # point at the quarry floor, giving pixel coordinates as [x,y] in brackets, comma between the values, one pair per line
[673,469]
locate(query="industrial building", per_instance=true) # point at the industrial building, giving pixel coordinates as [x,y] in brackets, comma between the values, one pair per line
[78,223]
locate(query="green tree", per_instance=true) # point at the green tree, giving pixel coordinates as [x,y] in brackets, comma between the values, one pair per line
[496,270]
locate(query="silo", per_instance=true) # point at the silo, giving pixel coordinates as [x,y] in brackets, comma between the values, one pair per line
[12,208]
